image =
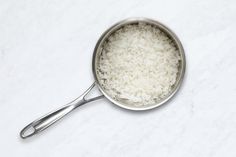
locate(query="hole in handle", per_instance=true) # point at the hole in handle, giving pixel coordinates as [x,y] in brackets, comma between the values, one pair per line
[28,131]
[91,94]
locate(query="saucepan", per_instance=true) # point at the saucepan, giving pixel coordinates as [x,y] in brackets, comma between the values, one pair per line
[47,120]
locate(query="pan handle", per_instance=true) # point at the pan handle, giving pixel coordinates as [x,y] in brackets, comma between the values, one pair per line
[47,120]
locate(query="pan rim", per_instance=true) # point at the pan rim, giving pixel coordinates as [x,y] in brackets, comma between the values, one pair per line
[164,28]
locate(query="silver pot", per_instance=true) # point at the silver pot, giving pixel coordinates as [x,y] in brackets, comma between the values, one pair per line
[42,123]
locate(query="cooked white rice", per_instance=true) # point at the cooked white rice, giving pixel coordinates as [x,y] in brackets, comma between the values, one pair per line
[138,65]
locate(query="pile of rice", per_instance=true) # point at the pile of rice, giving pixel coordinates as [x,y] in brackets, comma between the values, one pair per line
[138,65]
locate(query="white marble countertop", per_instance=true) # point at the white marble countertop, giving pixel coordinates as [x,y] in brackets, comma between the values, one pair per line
[45,61]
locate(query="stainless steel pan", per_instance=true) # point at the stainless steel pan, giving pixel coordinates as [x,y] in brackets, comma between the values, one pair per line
[44,122]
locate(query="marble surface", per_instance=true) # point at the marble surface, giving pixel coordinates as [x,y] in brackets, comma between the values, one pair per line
[45,61]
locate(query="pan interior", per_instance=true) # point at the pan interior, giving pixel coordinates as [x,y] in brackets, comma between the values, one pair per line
[112,79]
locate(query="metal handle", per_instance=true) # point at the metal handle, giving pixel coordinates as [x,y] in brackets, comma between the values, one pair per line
[44,122]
